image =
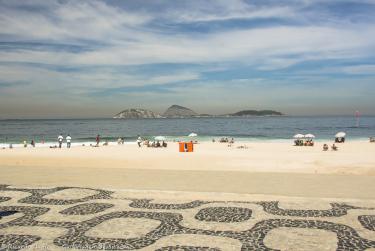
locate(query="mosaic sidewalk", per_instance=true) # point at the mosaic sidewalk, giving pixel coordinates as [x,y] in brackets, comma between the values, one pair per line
[71,218]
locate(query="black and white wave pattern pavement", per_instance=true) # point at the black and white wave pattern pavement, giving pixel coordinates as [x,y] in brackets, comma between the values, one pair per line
[73,218]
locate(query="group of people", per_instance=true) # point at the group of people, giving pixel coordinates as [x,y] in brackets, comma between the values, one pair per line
[149,143]
[333,147]
[340,140]
[120,141]
[300,142]
[225,140]
[155,143]
[60,140]
[32,143]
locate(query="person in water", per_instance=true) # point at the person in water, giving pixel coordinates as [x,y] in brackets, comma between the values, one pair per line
[97,140]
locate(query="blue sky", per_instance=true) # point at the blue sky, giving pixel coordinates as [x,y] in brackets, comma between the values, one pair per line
[94,58]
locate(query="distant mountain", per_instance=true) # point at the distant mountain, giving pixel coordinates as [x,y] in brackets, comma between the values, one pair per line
[177,111]
[256,113]
[136,114]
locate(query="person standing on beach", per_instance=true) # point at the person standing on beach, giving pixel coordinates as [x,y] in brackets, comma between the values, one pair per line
[68,141]
[139,141]
[97,140]
[60,140]
[32,143]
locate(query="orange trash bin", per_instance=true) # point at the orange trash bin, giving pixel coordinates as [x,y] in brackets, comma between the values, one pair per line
[186,147]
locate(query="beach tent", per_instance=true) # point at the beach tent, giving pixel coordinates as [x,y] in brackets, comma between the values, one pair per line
[186,147]
[299,136]
[160,138]
[192,134]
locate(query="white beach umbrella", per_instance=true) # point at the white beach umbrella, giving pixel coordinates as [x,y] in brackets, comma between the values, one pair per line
[310,136]
[192,134]
[340,135]
[299,136]
[160,138]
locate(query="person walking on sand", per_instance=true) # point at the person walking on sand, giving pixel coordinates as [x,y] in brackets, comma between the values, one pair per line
[68,141]
[60,140]
[97,140]
[32,143]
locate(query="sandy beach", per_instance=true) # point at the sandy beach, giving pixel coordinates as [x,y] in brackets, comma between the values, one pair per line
[265,195]
[276,168]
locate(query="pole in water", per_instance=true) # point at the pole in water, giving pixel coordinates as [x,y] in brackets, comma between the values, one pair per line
[357,116]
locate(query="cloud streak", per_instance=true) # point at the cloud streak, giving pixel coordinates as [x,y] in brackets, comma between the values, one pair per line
[74,48]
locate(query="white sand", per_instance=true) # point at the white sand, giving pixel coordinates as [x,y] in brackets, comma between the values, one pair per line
[273,168]
[356,157]
[262,168]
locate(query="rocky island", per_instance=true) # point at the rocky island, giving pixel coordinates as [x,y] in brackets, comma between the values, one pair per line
[177,111]
[137,114]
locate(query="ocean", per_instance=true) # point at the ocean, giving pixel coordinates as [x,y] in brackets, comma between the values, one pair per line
[240,128]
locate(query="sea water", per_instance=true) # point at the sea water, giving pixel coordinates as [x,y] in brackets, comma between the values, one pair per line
[239,128]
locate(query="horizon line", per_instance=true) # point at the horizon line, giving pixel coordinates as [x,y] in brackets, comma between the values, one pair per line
[197,117]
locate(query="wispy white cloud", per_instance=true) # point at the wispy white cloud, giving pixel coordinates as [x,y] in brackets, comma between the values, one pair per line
[269,48]
[209,11]
[106,36]
[69,21]
[127,40]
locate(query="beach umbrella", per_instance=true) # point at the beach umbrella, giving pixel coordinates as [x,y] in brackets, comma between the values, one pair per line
[340,135]
[299,136]
[310,136]
[192,134]
[160,138]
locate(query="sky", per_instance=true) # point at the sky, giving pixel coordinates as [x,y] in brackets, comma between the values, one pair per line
[71,59]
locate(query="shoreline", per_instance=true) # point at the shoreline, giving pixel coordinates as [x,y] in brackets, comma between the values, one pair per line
[171,140]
